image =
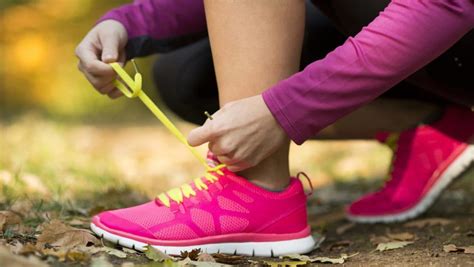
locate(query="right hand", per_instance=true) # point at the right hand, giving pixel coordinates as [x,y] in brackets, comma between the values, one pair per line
[105,43]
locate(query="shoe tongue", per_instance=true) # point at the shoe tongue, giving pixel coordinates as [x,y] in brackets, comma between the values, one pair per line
[212,160]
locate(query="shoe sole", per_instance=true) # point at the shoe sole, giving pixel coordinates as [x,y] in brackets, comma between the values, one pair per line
[454,170]
[265,249]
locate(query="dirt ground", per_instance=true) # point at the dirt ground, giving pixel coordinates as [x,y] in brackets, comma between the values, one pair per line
[66,174]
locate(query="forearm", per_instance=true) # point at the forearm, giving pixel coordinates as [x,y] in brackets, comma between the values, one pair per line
[159,25]
[405,37]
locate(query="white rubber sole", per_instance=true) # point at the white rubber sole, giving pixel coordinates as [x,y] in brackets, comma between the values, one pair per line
[266,249]
[457,167]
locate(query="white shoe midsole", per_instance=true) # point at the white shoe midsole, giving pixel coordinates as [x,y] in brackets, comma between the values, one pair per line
[268,249]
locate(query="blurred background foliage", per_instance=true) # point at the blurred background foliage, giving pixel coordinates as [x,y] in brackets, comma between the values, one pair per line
[59,138]
[39,69]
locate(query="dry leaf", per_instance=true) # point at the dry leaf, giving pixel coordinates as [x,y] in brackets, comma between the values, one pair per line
[22,207]
[469,250]
[379,239]
[11,260]
[405,236]
[59,235]
[344,228]
[454,248]
[8,218]
[427,222]
[100,262]
[193,254]
[205,257]
[450,248]
[392,245]
[157,255]
[304,258]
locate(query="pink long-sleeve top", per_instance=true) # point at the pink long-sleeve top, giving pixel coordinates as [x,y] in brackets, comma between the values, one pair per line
[407,35]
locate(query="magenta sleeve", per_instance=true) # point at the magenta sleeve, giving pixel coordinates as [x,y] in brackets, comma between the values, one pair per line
[407,35]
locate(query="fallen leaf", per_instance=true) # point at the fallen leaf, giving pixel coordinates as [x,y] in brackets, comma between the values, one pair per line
[57,234]
[469,250]
[100,262]
[157,255]
[379,239]
[344,228]
[11,260]
[339,260]
[205,257]
[304,258]
[405,236]
[115,252]
[8,218]
[129,251]
[427,222]
[450,248]
[193,254]
[453,248]
[392,245]
[22,207]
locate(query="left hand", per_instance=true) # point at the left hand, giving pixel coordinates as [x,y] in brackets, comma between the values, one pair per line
[241,134]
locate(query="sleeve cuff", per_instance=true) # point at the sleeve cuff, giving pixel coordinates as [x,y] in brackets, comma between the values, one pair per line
[279,114]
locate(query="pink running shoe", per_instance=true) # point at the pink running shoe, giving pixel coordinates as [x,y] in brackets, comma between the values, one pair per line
[426,160]
[218,213]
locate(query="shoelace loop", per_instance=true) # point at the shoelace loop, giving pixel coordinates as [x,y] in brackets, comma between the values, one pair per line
[132,88]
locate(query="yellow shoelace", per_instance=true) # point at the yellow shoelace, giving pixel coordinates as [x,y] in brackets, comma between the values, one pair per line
[132,88]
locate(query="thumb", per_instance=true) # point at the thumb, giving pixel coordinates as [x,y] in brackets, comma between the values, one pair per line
[200,136]
[110,46]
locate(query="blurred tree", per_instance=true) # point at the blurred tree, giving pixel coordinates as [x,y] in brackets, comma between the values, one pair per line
[39,68]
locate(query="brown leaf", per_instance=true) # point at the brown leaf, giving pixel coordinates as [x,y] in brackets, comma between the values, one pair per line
[450,248]
[22,207]
[344,228]
[469,250]
[453,248]
[57,234]
[8,218]
[193,254]
[11,260]
[427,222]
[392,245]
[405,236]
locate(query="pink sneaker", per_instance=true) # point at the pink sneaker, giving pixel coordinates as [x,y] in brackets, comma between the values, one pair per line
[426,160]
[220,212]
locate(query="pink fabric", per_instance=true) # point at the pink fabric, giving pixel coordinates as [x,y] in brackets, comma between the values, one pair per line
[421,156]
[236,206]
[407,35]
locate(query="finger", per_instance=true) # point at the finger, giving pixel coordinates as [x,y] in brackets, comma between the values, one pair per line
[90,63]
[200,135]
[103,85]
[107,89]
[115,93]
[110,48]
[217,149]
[227,160]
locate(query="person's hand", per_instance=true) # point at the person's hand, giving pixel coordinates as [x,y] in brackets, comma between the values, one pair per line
[241,134]
[105,43]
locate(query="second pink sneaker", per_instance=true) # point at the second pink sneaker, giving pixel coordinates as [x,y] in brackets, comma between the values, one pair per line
[220,212]
[426,160]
